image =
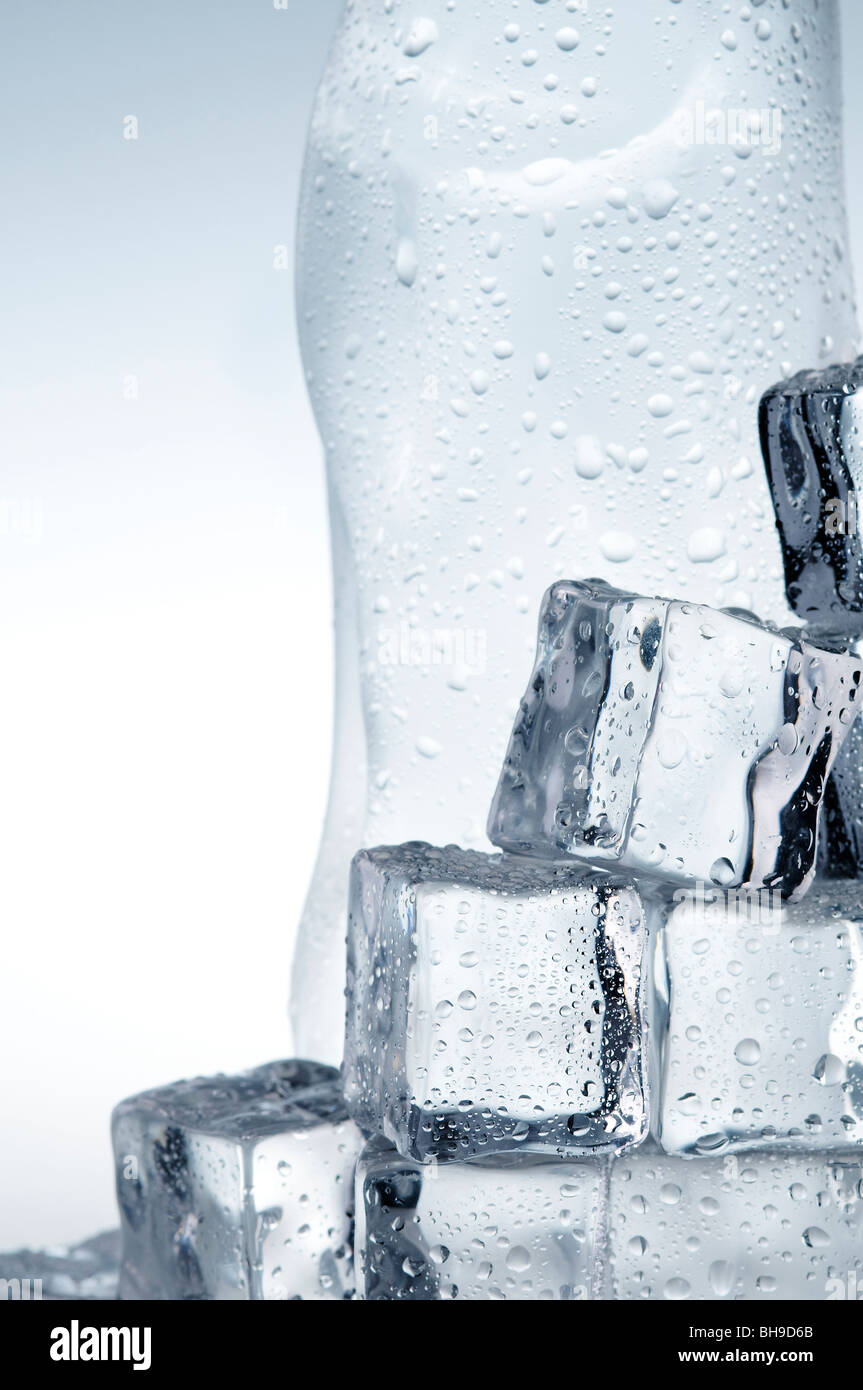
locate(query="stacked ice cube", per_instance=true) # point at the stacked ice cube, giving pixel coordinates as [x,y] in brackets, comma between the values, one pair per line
[624,1057]
[813,452]
[498,1043]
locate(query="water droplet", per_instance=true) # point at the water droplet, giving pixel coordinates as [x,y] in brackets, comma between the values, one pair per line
[575,742]
[480,382]
[423,33]
[787,740]
[618,546]
[660,405]
[748,1052]
[670,752]
[815,1238]
[542,366]
[705,545]
[659,197]
[589,456]
[407,264]
[721,1277]
[722,873]
[829,1070]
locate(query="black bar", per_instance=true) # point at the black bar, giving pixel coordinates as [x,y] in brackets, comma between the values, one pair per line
[257,1339]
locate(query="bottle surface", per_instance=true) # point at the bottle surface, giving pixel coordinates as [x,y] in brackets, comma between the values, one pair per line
[551,255]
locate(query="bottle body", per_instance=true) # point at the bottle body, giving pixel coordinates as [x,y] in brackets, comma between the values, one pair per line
[549,262]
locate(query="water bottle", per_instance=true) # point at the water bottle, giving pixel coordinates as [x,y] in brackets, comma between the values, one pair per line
[551,254]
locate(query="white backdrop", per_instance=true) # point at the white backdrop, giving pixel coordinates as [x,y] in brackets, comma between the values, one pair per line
[164,582]
[164,574]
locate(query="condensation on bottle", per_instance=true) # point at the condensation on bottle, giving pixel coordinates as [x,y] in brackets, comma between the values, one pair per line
[551,254]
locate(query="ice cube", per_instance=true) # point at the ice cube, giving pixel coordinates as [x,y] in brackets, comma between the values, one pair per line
[841,842]
[810,437]
[495,1004]
[764,1042]
[674,740]
[765,1226]
[513,1227]
[85,1271]
[237,1187]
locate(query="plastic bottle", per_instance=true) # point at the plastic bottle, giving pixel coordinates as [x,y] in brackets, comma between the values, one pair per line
[551,255]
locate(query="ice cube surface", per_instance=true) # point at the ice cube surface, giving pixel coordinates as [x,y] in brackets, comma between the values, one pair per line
[237,1187]
[495,1004]
[673,740]
[841,841]
[764,1042]
[760,1227]
[810,428]
[513,1227]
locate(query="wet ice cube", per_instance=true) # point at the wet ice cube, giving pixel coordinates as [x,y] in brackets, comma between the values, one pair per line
[764,1042]
[237,1187]
[85,1271]
[810,437]
[841,843]
[763,1227]
[674,740]
[494,1004]
[514,1227]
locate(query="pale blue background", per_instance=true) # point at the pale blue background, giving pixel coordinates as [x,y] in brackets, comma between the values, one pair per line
[164,581]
